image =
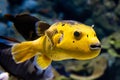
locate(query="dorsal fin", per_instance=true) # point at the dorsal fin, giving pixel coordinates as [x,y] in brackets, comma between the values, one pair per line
[41,27]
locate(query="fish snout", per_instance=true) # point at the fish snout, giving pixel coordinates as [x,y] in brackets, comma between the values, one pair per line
[95,46]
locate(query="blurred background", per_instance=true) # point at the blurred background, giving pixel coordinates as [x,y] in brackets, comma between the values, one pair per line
[103,14]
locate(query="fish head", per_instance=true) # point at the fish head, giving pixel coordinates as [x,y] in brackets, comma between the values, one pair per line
[76,40]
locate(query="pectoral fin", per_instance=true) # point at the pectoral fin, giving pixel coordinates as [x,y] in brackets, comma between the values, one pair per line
[23,51]
[50,34]
[43,61]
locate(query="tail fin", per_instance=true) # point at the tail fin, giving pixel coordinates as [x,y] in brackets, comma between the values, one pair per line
[23,51]
[20,51]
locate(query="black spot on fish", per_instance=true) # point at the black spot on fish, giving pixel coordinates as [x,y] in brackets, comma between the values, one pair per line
[63,24]
[87,36]
[73,41]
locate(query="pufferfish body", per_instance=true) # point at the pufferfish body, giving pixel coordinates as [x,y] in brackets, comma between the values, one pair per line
[63,40]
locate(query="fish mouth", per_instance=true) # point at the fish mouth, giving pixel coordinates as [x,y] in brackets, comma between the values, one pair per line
[96,46]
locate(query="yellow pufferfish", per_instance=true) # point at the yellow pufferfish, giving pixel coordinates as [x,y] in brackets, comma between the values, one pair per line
[66,39]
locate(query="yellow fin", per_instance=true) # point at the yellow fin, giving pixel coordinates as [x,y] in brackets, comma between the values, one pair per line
[43,61]
[23,51]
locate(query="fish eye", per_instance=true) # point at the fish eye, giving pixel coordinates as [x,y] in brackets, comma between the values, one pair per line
[77,35]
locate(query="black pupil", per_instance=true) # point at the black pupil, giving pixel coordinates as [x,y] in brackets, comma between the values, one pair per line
[76,34]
